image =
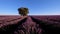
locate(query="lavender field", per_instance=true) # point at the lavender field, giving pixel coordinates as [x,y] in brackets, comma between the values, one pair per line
[30,25]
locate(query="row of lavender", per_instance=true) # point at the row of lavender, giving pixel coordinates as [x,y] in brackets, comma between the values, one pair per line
[55,20]
[28,27]
[5,20]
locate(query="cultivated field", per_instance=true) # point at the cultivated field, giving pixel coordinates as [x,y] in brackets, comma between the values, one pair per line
[30,24]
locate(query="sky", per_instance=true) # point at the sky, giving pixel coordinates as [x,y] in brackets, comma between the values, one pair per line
[36,7]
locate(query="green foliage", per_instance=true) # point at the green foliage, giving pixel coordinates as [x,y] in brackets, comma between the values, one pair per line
[23,11]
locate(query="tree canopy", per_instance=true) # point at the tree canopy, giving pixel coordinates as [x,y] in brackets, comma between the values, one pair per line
[23,11]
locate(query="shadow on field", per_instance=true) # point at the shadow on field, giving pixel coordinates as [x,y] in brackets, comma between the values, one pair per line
[47,29]
[9,29]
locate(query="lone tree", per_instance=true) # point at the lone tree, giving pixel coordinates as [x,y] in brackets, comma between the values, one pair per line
[23,11]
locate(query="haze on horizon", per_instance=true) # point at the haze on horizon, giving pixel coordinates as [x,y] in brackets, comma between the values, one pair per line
[36,7]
